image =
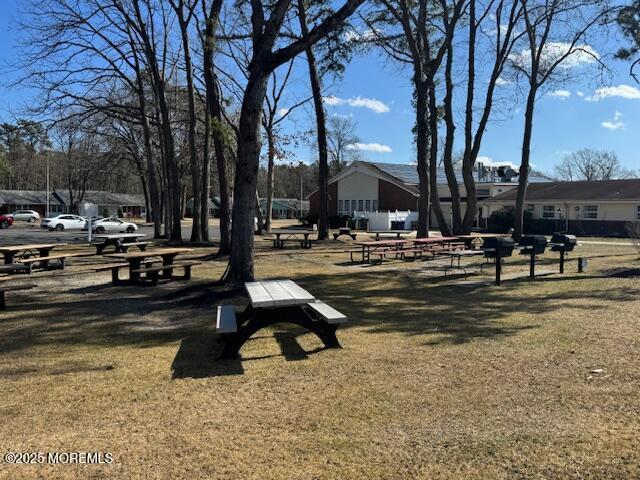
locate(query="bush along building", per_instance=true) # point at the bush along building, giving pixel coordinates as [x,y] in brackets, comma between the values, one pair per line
[599,207]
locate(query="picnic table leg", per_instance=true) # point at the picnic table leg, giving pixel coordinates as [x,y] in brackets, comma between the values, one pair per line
[254,321]
[167,261]
[134,264]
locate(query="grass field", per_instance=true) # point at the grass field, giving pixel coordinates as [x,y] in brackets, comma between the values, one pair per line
[532,380]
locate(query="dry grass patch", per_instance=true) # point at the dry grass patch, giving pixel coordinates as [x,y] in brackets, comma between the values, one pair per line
[434,380]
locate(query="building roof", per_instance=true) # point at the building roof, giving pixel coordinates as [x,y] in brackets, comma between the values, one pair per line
[408,174]
[61,197]
[577,191]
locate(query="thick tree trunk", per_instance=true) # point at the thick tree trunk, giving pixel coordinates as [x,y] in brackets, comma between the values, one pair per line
[206,179]
[321,132]
[154,211]
[523,178]
[433,164]
[270,179]
[468,160]
[214,104]
[244,200]
[422,149]
[449,170]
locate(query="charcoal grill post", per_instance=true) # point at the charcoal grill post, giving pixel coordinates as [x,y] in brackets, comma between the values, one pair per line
[562,261]
[532,265]
[498,266]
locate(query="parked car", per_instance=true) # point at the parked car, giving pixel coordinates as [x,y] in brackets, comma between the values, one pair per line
[5,221]
[113,225]
[64,222]
[30,216]
[93,220]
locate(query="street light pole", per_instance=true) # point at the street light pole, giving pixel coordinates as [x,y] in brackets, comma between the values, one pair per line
[47,186]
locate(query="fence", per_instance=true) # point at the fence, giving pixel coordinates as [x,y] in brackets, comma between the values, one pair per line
[382,220]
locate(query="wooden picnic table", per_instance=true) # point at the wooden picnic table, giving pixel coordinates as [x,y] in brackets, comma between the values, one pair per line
[380,234]
[26,251]
[292,234]
[378,247]
[276,301]
[135,260]
[120,241]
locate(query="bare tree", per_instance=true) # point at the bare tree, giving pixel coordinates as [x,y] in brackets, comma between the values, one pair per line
[264,59]
[557,34]
[274,114]
[590,165]
[407,32]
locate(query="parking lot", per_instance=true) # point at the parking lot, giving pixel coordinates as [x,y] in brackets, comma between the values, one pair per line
[23,232]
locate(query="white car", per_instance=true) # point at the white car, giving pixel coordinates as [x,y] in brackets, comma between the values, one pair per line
[113,224]
[64,222]
[26,215]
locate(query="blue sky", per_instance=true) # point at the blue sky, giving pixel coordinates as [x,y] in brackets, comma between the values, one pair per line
[377,94]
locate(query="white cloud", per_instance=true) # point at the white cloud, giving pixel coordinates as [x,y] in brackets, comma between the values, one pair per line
[502,81]
[579,93]
[358,102]
[366,35]
[615,124]
[622,91]
[560,94]
[577,56]
[490,162]
[369,147]
[282,112]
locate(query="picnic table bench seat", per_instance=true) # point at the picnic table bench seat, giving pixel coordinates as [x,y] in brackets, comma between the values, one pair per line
[10,288]
[60,258]
[327,312]
[152,273]
[116,267]
[14,268]
[226,319]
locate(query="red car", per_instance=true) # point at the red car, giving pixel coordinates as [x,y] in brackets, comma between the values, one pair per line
[5,221]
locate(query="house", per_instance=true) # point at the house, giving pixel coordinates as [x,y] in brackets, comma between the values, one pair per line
[214,207]
[373,186]
[285,207]
[602,207]
[106,203]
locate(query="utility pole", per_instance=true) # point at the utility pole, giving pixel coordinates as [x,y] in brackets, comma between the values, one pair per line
[47,215]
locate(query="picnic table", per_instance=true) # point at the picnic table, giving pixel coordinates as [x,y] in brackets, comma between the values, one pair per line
[136,259]
[10,252]
[120,241]
[276,301]
[344,231]
[299,235]
[378,247]
[380,234]
[435,245]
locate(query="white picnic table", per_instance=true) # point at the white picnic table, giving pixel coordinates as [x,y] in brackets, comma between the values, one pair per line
[276,301]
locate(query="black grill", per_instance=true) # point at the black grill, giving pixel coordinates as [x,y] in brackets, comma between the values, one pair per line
[500,246]
[534,244]
[563,243]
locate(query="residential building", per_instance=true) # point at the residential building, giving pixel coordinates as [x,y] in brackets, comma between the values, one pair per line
[602,207]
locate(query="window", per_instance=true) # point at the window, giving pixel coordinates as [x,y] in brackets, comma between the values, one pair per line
[340,205]
[360,205]
[638,212]
[590,212]
[374,205]
[354,205]
[548,211]
[367,205]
